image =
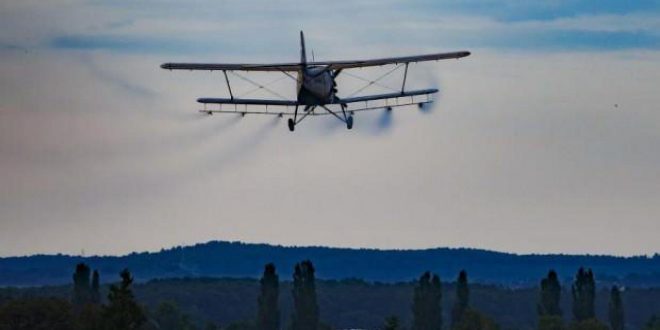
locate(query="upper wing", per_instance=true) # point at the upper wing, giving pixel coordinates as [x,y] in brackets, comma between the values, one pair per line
[230,67]
[331,65]
[335,65]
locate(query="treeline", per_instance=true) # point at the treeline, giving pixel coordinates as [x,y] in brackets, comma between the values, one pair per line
[83,311]
[86,308]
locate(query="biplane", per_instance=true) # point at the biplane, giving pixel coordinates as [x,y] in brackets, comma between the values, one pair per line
[317,86]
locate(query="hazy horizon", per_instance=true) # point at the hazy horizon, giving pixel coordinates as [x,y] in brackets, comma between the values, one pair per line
[544,140]
[186,245]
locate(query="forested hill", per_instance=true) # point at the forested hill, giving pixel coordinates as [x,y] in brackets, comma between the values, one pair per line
[233,259]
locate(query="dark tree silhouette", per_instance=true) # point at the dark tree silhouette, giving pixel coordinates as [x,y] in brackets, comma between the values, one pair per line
[653,323]
[96,288]
[305,308]
[551,323]
[168,316]
[82,292]
[268,313]
[36,313]
[122,311]
[550,294]
[584,294]
[462,302]
[616,309]
[589,324]
[427,303]
[391,323]
[472,319]
[211,326]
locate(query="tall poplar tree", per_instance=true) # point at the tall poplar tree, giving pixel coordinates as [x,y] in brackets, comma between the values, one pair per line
[616,309]
[96,288]
[82,294]
[550,295]
[584,294]
[305,308]
[427,303]
[268,313]
[462,302]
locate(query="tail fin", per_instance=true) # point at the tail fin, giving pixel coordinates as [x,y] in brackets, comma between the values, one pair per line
[303,56]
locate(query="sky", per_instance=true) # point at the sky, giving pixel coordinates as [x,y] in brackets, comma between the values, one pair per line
[545,140]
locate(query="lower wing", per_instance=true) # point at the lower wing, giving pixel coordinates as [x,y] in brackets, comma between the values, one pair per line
[385,96]
[338,101]
[209,100]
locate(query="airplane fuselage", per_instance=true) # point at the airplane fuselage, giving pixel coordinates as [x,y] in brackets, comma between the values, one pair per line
[316,86]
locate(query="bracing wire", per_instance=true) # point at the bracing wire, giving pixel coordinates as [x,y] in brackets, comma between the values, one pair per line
[259,86]
[369,81]
[374,82]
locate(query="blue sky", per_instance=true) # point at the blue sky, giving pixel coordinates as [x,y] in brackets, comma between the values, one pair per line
[126,26]
[547,133]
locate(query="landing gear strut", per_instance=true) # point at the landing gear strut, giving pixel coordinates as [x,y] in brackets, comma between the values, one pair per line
[347,119]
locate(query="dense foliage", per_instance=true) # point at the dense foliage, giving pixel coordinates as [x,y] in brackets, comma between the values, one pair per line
[122,311]
[240,304]
[37,314]
[653,323]
[392,323]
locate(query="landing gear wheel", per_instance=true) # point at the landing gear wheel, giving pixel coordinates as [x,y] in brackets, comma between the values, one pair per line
[292,125]
[349,122]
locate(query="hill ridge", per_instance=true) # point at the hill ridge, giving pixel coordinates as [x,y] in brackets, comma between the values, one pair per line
[239,259]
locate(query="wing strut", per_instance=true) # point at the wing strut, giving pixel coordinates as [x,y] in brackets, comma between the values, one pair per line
[294,121]
[405,74]
[334,114]
[343,111]
[228,85]
[308,109]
